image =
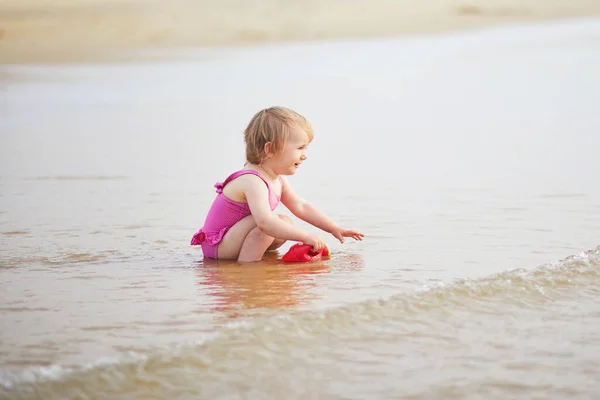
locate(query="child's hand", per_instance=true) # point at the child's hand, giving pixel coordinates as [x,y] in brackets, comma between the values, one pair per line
[341,233]
[316,242]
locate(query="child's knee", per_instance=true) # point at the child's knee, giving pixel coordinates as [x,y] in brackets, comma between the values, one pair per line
[285,218]
[259,238]
[258,234]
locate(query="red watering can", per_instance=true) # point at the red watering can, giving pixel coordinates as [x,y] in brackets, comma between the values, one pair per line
[304,253]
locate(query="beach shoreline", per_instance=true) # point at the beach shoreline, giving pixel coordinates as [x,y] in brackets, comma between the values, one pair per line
[32,31]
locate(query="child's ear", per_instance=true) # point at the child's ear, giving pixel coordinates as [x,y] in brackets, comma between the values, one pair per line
[268,149]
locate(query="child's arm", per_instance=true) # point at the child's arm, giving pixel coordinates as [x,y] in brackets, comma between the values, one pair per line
[257,197]
[311,214]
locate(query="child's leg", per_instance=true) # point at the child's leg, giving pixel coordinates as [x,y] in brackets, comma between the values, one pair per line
[245,242]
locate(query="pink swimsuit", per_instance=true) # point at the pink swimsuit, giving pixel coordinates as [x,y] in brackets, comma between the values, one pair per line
[224,213]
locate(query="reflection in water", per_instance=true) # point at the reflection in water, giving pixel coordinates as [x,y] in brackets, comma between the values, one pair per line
[250,289]
[258,287]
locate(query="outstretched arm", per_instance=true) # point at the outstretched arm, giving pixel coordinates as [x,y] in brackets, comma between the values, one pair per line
[257,197]
[311,214]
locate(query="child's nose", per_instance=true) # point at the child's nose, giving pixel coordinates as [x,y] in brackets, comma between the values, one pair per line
[303,157]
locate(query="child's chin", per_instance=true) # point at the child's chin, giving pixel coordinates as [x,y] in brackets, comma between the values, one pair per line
[289,171]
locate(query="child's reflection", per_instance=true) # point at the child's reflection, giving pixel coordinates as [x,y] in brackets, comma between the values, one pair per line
[260,287]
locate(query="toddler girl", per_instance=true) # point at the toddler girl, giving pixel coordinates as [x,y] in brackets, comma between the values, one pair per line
[241,224]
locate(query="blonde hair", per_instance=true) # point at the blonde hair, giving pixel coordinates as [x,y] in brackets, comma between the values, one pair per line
[272,125]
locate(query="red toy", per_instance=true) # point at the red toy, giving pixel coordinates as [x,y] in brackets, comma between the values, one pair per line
[303,253]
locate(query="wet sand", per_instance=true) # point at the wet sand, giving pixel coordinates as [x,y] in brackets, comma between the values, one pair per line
[95,30]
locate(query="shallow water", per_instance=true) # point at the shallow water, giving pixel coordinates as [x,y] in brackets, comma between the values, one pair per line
[470,162]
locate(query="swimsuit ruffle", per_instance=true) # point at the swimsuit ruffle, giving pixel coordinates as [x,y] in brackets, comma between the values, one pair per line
[211,237]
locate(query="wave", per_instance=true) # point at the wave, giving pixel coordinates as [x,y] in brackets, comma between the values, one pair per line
[231,358]
[61,259]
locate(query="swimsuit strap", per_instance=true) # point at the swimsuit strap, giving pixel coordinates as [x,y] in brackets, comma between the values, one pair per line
[245,172]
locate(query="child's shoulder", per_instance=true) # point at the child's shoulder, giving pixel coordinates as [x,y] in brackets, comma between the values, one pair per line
[243,179]
[239,185]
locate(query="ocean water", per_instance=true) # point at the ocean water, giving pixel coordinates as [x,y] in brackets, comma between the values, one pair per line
[470,161]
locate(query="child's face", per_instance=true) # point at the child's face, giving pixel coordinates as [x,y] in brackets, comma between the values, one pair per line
[294,153]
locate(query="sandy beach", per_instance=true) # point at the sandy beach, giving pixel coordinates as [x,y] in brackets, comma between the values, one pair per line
[96,30]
